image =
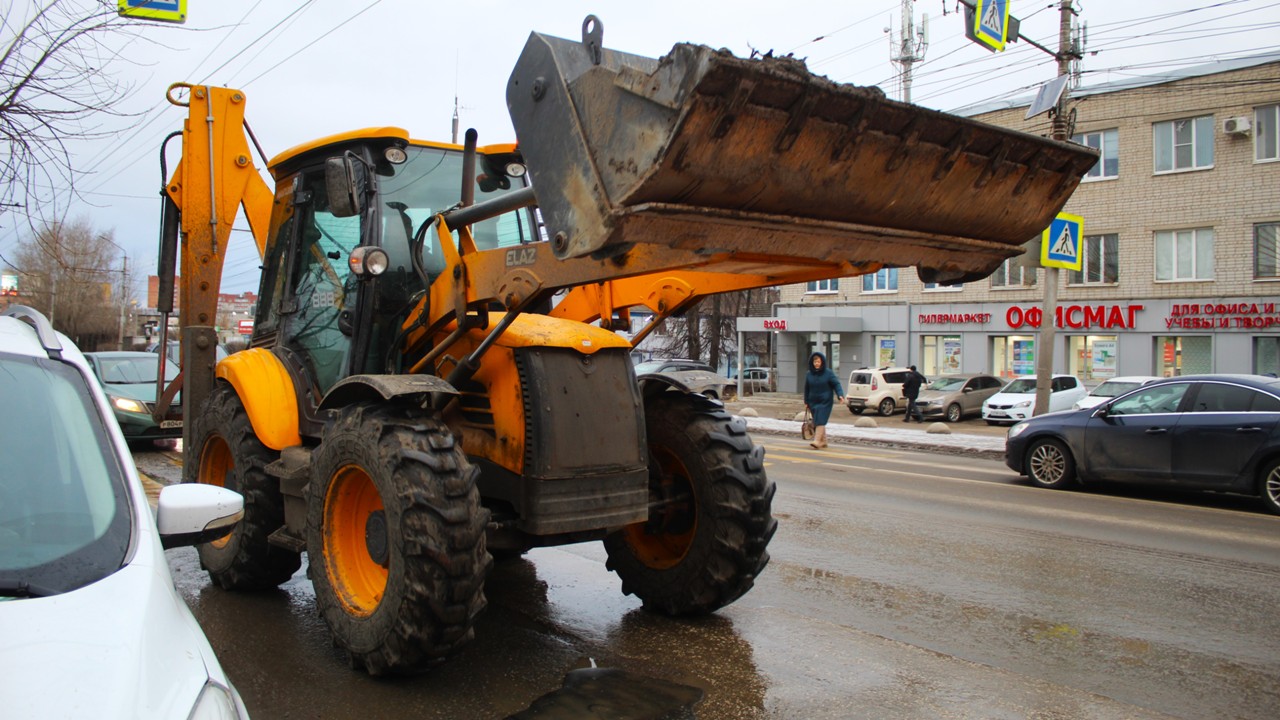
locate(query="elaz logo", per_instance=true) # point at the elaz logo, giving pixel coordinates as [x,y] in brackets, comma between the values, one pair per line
[518,257]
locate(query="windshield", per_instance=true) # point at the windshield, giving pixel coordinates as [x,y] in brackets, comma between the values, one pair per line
[648,367]
[428,183]
[1021,385]
[1112,389]
[947,384]
[133,370]
[64,515]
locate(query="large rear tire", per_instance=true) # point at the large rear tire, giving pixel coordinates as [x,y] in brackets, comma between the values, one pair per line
[228,454]
[710,522]
[395,537]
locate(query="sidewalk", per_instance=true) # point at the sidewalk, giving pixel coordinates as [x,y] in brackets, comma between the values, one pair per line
[776,413]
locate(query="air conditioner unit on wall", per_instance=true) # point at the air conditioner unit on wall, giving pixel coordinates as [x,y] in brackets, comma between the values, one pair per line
[1236,126]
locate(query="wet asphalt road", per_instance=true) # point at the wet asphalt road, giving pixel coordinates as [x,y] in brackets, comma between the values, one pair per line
[901,585]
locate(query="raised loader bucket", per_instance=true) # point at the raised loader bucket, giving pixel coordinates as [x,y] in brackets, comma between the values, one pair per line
[701,150]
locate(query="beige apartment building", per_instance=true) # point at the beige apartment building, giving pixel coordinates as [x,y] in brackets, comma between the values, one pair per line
[1181,254]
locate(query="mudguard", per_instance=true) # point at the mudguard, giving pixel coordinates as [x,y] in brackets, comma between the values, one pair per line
[266,390]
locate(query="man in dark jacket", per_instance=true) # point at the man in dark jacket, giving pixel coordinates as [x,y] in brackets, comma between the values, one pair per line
[911,391]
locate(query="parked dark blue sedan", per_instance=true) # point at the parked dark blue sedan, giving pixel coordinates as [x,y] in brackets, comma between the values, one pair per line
[1206,432]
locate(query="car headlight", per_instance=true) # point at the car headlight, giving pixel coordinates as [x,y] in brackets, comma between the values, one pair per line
[216,702]
[1017,430]
[128,404]
[1025,403]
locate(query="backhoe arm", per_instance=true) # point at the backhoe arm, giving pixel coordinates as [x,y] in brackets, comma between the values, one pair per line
[214,178]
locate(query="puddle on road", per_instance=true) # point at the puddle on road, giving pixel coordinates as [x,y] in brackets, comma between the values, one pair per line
[613,694]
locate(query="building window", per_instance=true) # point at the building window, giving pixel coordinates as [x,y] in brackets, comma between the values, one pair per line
[938,287]
[886,349]
[824,286]
[1266,355]
[1100,263]
[1185,144]
[1092,358]
[941,355]
[1012,274]
[1108,143]
[1266,121]
[1266,251]
[884,280]
[1183,255]
[1184,356]
[1013,356]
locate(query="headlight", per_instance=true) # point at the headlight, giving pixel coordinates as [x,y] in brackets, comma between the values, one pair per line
[1025,403]
[215,703]
[128,404]
[1017,430]
[368,260]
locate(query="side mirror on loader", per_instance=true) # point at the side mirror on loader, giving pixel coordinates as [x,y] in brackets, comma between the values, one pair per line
[340,182]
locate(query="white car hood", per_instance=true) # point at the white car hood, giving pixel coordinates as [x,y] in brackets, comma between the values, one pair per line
[123,647]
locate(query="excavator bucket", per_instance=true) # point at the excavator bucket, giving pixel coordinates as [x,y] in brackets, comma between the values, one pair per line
[701,150]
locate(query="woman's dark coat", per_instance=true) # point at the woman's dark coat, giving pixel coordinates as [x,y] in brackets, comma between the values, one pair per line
[821,388]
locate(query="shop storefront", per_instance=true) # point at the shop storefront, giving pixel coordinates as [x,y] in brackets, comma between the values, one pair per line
[1094,341]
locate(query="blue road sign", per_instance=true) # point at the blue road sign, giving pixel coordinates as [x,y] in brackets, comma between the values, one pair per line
[1060,245]
[991,23]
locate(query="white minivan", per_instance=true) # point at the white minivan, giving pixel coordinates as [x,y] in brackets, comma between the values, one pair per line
[90,623]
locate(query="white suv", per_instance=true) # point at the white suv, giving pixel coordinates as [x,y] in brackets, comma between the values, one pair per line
[91,623]
[879,389]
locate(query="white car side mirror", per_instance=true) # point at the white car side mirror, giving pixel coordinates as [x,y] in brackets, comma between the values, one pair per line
[191,514]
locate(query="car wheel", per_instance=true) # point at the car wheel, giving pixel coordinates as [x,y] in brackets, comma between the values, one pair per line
[1269,486]
[953,412]
[855,411]
[887,406]
[1049,465]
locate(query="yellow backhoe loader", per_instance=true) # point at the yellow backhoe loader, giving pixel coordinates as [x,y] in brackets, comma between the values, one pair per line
[433,380]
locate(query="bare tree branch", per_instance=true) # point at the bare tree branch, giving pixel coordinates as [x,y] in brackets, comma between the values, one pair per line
[56,84]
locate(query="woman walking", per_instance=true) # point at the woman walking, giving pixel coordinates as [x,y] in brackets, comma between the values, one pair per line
[822,390]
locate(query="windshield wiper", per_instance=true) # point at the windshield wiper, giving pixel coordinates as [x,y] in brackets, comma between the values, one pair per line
[24,589]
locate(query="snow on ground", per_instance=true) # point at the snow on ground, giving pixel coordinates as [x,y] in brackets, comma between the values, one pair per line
[954,442]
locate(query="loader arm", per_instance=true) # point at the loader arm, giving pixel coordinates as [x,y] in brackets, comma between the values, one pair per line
[661,181]
[213,180]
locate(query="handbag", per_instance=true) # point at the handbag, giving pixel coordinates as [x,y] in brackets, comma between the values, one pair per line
[806,427]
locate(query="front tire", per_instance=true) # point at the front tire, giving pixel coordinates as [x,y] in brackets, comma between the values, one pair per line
[887,406]
[704,543]
[953,413]
[395,537]
[229,454]
[1269,487]
[1050,465]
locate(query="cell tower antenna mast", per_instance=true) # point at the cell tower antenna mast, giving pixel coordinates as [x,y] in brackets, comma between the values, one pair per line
[909,47]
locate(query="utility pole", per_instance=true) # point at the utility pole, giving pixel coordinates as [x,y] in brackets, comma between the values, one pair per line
[910,48]
[1067,52]
[124,287]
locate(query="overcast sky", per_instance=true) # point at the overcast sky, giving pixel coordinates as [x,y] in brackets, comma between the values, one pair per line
[326,66]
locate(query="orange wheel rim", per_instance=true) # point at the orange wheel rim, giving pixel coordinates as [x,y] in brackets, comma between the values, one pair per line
[216,464]
[664,540]
[354,530]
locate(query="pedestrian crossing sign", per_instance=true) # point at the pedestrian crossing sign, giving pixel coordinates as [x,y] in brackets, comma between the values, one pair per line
[1061,242]
[991,23]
